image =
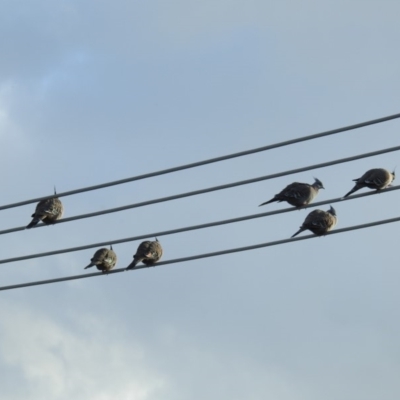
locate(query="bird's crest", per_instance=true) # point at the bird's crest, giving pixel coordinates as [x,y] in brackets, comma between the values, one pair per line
[318,183]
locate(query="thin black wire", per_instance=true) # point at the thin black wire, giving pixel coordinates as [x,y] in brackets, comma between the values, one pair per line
[204,162]
[206,255]
[210,189]
[193,227]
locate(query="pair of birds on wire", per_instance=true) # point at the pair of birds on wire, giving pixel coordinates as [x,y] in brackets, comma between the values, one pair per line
[321,222]
[148,252]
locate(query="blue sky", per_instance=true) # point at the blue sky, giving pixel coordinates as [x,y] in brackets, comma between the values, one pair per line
[97,91]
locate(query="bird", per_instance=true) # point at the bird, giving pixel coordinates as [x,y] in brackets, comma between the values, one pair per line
[48,211]
[376,178]
[104,259]
[319,222]
[148,252]
[298,194]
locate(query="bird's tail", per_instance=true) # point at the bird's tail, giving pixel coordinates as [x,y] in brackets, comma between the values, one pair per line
[34,222]
[132,264]
[267,202]
[299,231]
[355,188]
[90,265]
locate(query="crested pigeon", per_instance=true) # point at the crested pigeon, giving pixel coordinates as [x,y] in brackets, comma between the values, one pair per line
[104,260]
[148,252]
[319,222]
[298,194]
[48,211]
[376,178]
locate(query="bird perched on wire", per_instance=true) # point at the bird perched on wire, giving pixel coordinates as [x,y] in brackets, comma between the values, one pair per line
[48,211]
[376,178]
[148,252]
[319,222]
[298,194]
[104,260]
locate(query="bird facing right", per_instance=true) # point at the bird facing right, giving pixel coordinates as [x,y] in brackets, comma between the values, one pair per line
[104,259]
[148,253]
[48,211]
[376,178]
[298,194]
[319,222]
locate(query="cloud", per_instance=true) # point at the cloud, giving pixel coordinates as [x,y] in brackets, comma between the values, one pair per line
[78,361]
[92,358]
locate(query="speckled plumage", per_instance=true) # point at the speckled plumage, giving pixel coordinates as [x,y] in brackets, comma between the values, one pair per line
[148,253]
[298,194]
[48,211]
[319,222]
[104,259]
[376,178]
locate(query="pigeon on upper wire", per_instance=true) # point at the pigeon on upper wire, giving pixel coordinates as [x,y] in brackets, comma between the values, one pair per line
[48,211]
[148,252]
[298,194]
[104,260]
[319,222]
[376,178]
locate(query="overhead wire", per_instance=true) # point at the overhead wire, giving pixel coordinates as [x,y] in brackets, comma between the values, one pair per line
[200,256]
[215,188]
[210,189]
[204,162]
[193,227]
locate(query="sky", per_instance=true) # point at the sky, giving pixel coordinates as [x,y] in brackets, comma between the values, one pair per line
[92,92]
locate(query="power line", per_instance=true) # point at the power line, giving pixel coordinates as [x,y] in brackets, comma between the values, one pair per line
[206,255]
[204,162]
[211,189]
[191,228]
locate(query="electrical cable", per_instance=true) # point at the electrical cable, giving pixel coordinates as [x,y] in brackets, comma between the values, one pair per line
[210,189]
[193,227]
[204,162]
[206,255]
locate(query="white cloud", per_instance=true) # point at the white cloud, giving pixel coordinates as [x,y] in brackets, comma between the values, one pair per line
[79,361]
[84,357]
